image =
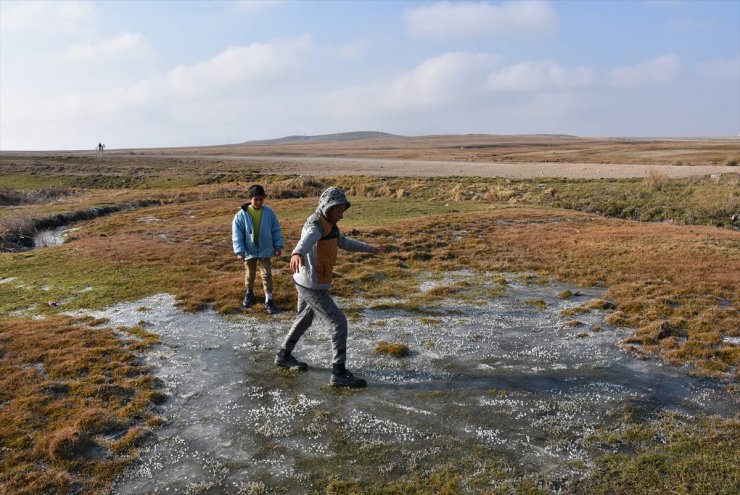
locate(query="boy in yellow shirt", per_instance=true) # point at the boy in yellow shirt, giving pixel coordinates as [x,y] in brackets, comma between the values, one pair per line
[256,237]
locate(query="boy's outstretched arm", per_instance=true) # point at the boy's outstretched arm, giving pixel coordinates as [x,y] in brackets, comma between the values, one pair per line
[352,245]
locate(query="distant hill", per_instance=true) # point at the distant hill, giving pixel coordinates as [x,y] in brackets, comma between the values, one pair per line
[327,138]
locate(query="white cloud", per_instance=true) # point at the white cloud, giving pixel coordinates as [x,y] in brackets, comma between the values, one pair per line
[256,6]
[441,80]
[253,65]
[720,69]
[47,18]
[123,46]
[539,76]
[352,50]
[660,70]
[465,19]
[454,77]
[187,104]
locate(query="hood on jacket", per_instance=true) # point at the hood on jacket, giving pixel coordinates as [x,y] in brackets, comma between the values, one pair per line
[333,196]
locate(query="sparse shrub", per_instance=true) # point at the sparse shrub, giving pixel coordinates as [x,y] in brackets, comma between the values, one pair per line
[457,193]
[496,193]
[656,180]
[397,350]
[731,162]
[441,291]
[17,228]
[568,312]
[566,294]
[134,437]
[156,421]
[297,187]
[10,196]
[600,304]
[537,303]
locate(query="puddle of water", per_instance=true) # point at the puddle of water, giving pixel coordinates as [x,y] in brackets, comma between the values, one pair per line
[508,379]
[51,237]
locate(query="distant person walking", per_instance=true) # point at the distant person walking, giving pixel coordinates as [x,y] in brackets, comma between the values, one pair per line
[100,148]
[312,264]
[256,236]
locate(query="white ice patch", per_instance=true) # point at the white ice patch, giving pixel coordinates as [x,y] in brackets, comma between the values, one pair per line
[505,376]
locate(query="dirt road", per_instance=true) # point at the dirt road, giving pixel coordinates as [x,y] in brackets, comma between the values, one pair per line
[327,166]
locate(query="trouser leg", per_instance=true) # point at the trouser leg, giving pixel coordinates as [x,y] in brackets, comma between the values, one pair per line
[250,272]
[303,320]
[323,306]
[265,267]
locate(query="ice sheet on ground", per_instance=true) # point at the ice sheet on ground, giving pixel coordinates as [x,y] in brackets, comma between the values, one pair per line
[506,376]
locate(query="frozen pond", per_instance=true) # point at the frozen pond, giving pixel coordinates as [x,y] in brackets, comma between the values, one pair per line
[508,379]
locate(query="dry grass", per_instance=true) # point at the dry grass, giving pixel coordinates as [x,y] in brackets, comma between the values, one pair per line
[11,196]
[670,454]
[394,349]
[68,390]
[480,147]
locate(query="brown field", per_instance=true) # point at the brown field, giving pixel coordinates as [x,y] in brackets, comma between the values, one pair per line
[453,155]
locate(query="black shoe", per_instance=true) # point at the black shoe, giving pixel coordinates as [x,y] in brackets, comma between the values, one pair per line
[346,379]
[271,308]
[248,299]
[289,362]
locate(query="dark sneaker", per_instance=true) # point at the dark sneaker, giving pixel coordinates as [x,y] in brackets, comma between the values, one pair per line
[346,379]
[248,299]
[289,362]
[271,308]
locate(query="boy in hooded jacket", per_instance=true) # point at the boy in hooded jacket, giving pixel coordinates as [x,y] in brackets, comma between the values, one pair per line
[312,263]
[256,237]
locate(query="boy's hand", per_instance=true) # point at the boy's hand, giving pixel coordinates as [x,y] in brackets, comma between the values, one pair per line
[376,250]
[278,251]
[296,262]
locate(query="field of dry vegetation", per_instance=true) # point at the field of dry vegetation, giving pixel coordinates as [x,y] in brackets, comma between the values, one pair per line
[491,148]
[76,403]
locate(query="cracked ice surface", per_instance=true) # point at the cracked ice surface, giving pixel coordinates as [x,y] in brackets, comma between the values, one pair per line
[504,376]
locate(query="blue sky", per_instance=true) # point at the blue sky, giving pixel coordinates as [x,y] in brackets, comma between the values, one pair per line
[150,74]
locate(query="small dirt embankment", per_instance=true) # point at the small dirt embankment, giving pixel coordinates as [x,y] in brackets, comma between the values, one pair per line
[18,234]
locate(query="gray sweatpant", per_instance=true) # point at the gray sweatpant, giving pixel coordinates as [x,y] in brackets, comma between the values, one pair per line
[312,302]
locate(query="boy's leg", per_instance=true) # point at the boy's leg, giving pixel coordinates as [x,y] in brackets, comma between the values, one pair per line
[302,322]
[250,272]
[265,267]
[326,310]
[284,357]
[319,303]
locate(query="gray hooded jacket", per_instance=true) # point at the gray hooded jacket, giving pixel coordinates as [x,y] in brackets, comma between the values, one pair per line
[319,242]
